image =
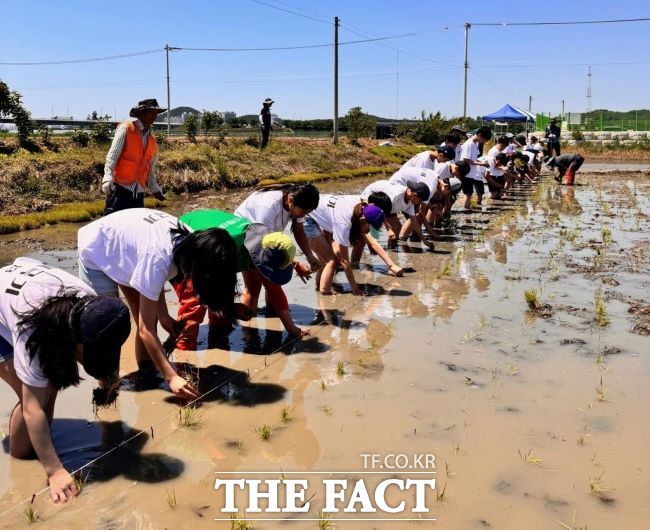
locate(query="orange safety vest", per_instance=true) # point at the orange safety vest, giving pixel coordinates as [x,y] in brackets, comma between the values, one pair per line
[135,160]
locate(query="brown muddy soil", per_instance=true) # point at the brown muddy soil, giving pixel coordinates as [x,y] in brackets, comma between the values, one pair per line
[535,423]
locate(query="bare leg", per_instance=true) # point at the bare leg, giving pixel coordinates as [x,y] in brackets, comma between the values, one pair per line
[133,300]
[325,254]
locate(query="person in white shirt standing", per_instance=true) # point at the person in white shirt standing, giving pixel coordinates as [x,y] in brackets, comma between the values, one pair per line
[470,153]
[131,160]
[49,322]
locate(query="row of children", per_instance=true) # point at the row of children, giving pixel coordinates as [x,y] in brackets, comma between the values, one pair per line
[50,320]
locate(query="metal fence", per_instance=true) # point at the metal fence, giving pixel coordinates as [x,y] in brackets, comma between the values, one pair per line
[604,121]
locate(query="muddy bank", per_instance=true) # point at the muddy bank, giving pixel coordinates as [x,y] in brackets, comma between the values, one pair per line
[535,422]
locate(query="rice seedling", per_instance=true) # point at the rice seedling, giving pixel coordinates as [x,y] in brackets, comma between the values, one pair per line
[448,471]
[188,417]
[239,524]
[581,440]
[264,432]
[607,235]
[171,499]
[597,485]
[482,320]
[600,309]
[30,514]
[340,369]
[285,415]
[323,385]
[530,458]
[80,481]
[445,269]
[440,496]
[327,409]
[324,521]
[601,390]
[512,367]
[532,298]
[600,358]
[572,526]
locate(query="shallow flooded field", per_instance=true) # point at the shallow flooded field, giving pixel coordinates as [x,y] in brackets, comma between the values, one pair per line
[536,411]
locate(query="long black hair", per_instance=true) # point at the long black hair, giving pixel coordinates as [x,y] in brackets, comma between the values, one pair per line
[52,337]
[305,196]
[355,228]
[209,259]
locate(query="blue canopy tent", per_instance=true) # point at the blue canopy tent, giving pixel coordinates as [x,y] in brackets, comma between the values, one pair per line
[510,114]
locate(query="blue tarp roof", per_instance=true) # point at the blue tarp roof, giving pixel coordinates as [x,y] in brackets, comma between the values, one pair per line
[509,113]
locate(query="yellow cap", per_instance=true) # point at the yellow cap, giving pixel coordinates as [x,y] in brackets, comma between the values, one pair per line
[280,241]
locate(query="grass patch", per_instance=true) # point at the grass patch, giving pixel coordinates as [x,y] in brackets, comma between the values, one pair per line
[285,415]
[74,212]
[601,316]
[340,369]
[397,154]
[188,417]
[239,524]
[171,500]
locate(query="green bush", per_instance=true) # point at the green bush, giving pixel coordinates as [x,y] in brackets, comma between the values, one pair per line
[577,135]
[253,141]
[81,138]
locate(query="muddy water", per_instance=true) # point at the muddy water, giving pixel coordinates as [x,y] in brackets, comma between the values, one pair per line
[536,420]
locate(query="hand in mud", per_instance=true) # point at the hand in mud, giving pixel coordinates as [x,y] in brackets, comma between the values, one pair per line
[428,243]
[182,389]
[396,270]
[391,235]
[299,332]
[242,312]
[356,291]
[62,486]
[302,271]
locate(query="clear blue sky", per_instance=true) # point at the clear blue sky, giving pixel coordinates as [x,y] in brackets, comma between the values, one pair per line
[430,70]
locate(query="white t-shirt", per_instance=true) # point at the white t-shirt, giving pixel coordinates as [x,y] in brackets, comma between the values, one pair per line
[511,148]
[334,215]
[470,152]
[443,171]
[396,194]
[458,150]
[494,151]
[414,174]
[265,207]
[494,171]
[132,247]
[421,160]
[24,285]
[531,157]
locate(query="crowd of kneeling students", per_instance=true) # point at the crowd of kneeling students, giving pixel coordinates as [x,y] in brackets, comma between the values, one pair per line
[50,320]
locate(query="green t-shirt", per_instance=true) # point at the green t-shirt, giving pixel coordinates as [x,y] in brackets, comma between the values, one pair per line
[234,225]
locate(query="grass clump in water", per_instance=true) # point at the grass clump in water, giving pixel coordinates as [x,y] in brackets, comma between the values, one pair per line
[340,369]
[188,417]
[171,500]
[264,432]
[532,298]
[285,415]
[601,316]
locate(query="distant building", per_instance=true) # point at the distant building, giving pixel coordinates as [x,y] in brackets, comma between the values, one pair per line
[228,116]
[276,120]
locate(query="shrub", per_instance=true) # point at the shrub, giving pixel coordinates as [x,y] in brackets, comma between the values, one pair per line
[430,129]
[253,141]
[191,127]
[576,134]
[359,125]
[101,132]
[81,138]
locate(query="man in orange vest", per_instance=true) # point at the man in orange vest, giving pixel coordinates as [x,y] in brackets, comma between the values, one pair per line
[131,160]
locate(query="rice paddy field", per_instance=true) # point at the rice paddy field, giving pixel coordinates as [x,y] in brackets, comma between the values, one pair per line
[516,353]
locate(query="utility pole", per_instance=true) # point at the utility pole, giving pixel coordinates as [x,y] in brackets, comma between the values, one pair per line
[589,90]
[168,48]
[467,26]
[336,80]
[530,103]
[562,110]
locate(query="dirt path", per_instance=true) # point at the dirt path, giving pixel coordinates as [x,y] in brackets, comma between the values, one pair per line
[537,419]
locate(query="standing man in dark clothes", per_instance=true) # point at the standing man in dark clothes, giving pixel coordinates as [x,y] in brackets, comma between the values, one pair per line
[265,121]
[552,135]
[567,166]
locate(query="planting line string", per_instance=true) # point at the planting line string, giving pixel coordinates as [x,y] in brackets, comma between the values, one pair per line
[190,404]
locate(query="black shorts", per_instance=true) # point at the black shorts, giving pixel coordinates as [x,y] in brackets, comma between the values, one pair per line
[500,179]
[468,185]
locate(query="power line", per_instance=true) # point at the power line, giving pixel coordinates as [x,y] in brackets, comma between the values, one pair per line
[570,23]
[303,47]
[88,60]
[317,19]
[553,65]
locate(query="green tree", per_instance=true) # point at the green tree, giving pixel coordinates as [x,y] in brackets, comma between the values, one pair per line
[359,124]
[11,105]
[101,132]
[191,127]
[431,129]
[210,120]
